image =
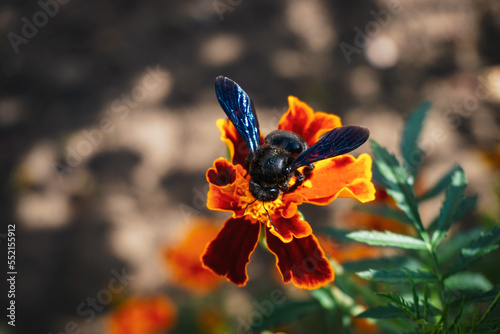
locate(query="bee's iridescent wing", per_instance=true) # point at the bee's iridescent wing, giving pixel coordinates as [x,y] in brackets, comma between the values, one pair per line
[338,141]
[239,109]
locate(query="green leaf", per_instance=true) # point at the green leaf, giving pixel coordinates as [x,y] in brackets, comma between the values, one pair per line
[397,276]
[468,204]
[492,306]
[487,242]
[454,197]
[426,301]
[379,263]
[324,297]
[483,297]
[412,154]
[384,211]
[399,302]
[383,312]
[399,307]
[440,186]
[284,314]
[458,316]
[395,179]
[387,239]
[415,296]
[470,296]
[468,281]
[335,233]
[451,248]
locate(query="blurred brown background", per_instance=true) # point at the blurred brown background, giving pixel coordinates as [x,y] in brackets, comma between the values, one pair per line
[107,116]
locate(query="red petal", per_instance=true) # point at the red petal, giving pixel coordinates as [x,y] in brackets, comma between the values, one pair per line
[301,261]
[229,253]
[222,174]
[288,228]
[301,119]
[223,180]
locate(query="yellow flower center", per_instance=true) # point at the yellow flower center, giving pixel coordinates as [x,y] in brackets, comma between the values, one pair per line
[256,210]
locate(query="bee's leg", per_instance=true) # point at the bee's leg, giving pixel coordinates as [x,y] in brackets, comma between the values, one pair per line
[308,171]
[299,179]
[284,186]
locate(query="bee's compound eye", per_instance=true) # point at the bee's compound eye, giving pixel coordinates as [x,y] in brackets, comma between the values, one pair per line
[294,147]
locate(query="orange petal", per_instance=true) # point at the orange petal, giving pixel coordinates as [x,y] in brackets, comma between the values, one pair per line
[229,253]
[288,228]
[301,119]
[301,261]
[342,176]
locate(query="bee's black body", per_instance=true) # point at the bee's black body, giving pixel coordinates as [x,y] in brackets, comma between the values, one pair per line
[270,167]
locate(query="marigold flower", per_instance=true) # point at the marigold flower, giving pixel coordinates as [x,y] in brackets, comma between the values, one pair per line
[143,315]
[298,254]
[184,259]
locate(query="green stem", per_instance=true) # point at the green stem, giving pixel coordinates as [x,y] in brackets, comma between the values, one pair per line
[432,251]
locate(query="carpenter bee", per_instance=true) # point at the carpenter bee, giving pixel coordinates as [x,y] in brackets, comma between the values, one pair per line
[271,166]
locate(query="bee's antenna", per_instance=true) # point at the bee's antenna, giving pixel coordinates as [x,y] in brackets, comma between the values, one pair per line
[246,207]
[269,216]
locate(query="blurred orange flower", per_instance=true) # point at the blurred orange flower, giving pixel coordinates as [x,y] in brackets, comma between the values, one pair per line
[348,252]
[491,155]
[184,258]
[289,237]
[143,315]
[364,326]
